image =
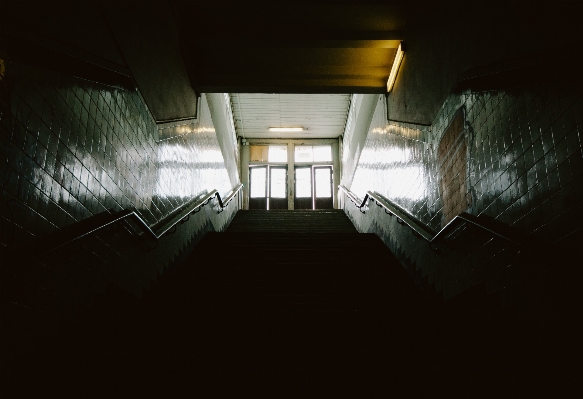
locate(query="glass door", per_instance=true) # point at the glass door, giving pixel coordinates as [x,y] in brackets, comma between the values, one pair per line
[303,198]
[258,187]
[323,187]
[277,187]
[313,187]
[290,176]
[268,187]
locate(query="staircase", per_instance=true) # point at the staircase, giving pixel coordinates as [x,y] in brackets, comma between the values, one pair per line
[301,294]
[277,221]
[282,289]
[295,290]
[279,299]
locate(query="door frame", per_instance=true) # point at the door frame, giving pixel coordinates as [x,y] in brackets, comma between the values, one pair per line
[266,188]
[269,184]
[268,174]
[314,185]
[291,143]
[313,167]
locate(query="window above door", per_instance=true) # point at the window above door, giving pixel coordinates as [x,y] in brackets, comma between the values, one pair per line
[313,153]
[268,153]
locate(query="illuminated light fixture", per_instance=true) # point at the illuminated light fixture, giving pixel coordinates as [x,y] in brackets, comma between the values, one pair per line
[286,129]
[395,67]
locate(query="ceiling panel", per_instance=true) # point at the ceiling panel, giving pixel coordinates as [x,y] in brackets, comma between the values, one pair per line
[316,46]
[321,115]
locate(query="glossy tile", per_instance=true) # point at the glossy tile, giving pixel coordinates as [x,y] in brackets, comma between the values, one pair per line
[517,141]
[523,165]
[71,149]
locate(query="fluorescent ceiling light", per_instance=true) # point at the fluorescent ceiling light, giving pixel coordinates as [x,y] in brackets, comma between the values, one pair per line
[286,129]
[395,67]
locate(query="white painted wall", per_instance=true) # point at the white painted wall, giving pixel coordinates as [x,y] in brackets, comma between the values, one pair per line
[358,122]
[222,117]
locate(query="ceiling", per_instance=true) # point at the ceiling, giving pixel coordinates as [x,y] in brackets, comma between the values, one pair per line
[290,64]
[321,115]
[290,47]
[173,51]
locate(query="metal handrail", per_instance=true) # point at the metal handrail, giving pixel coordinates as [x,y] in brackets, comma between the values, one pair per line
[93,224]
[431,236]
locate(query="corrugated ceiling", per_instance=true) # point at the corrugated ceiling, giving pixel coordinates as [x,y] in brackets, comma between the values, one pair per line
[321,115]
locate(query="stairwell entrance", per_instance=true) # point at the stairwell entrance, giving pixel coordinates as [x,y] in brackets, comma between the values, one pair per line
[268,187]
[290,174]
[313,187]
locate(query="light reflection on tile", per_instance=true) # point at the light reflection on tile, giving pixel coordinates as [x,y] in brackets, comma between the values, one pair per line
[524,168]
[71,149]
[524,149]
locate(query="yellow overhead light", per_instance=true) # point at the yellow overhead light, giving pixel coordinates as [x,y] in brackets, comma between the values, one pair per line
[286,129]
[395,67]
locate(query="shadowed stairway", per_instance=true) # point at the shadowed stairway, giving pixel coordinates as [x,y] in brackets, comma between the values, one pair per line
[295,290]
[293,296]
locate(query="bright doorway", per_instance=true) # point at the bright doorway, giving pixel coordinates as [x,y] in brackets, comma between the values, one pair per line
[290,175]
